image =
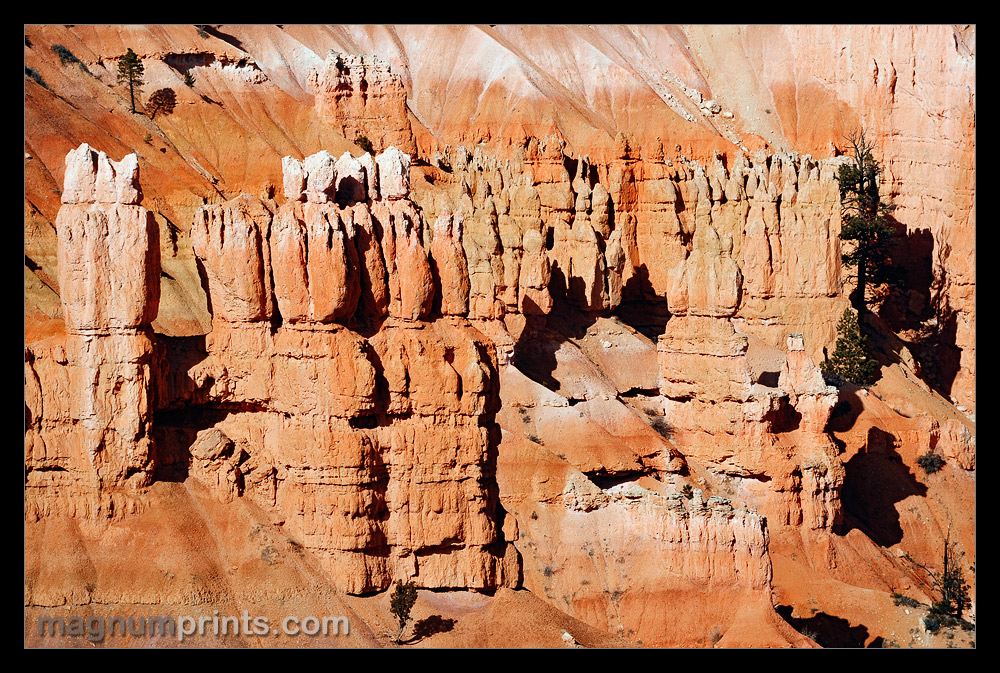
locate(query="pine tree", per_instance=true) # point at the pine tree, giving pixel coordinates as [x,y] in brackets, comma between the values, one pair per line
[850,358]
[952,585]
[864,220]
[130,71]
[402,600]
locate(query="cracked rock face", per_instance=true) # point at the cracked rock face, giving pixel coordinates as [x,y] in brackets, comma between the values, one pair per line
[361,96]
[340,259]
[564,357]
[379,453]
[87,438]
[624,558]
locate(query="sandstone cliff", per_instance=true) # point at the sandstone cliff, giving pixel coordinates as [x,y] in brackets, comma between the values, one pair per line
[560,332]
[680,91]
[88,406]
[376,451]
[378,113]
[640,562]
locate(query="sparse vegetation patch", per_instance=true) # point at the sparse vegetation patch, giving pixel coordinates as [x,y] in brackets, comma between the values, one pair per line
[931,462]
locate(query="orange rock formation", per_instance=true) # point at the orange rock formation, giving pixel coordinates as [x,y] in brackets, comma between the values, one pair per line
[559,334]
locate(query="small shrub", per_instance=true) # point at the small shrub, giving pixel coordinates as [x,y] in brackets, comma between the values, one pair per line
[297,547]
[899,599]
[931,462]
[403,598]
[810,634]
[34,77]
[662,427]
[188,79]
[932,622]
[148,139]
[65,55]
[364,143]
[687,491]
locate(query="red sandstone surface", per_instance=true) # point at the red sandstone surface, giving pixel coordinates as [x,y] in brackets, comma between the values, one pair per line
[549,349]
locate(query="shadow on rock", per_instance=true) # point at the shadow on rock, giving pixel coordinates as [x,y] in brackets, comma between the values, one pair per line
[876,479]
[641,308]
[827,630]
[427,627]
[846,411]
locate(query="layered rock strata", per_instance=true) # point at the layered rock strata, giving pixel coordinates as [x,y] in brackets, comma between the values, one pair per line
[654,566]
[918,101]
[750,248]
[771,437]
[379,452]
[88,404]
[794,86]
[797,87]
[361,96]
[543,222]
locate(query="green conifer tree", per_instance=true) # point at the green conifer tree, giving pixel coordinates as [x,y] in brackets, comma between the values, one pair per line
[850,358]
[864,226]
[404,596]
[952,585]
[130,72]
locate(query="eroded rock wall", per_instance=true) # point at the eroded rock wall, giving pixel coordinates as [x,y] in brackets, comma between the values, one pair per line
[376,449]
[88,402]
[723,414]
[343,388]
[361,96]
[378,452]
[658,568]
[913,88]
[542,224]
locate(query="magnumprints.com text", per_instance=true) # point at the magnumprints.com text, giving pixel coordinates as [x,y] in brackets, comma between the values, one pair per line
[96,629]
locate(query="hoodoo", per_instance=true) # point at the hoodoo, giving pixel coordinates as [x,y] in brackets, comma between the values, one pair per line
[534,318]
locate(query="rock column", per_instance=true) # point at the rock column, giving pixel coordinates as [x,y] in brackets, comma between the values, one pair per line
[377,452]
[89,424]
